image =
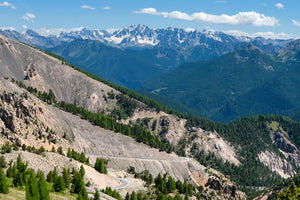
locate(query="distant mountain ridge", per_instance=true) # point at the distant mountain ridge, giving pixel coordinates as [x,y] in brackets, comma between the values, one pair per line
[111,63]
[140,36]
[244,82]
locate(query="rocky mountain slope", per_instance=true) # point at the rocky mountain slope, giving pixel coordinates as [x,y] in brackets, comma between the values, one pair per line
[233,149]
[27,120]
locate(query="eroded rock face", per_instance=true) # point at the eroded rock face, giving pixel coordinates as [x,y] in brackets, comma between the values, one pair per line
[30,72]
[15,114]
[230,189]
[226,188]
[214,184]
[284,144]
[289,150]
[277,164]
[8,119]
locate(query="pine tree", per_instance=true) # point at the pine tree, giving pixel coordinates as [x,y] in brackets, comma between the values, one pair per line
[18,179]
[177,197]
[82,171]
[3,182]
[127,197]
[59,184]
[43,190]
[133,196]
[69,153]
[171,186]
[293,189]
[97,195]
[160,184]
[66,176]
[169,198]
[100,166]
[32,190]
[60,150]
[78,184]
[82,157]
[186,196]
[160,196]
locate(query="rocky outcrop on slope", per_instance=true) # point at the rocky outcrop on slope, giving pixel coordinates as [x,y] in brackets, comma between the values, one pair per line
[30,72]
[277,164]
[289,150]
[228,190]
[173,129]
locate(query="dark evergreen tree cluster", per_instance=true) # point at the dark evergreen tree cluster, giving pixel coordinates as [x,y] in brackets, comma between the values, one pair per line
[144,175]
[77,156]
[32,149]
[126,107]
[35,183]
[291,193]
[36,186]
[167,185]
[100,165]
[112,193]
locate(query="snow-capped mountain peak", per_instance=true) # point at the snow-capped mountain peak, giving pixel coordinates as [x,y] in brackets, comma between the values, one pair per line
[138,36]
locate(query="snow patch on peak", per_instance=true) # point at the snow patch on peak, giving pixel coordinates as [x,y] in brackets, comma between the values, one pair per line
[189,30]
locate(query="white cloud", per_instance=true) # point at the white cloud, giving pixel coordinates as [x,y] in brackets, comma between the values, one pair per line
[151,11]
[25,27]
[29,17]
[107,8]
[279,5]
[5,3]
[88,7]
[241,18]
[221,1]
[296,23]
[267,35]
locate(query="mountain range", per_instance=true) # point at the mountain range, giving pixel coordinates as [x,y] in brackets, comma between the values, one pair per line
[140,36]
[138,56]
[142,53]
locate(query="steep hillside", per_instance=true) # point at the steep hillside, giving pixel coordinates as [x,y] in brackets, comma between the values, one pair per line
[107,62]
[208,86]
[26,120]
[290,52]
[46,123]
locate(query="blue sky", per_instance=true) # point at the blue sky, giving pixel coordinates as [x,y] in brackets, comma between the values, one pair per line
[256,17]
